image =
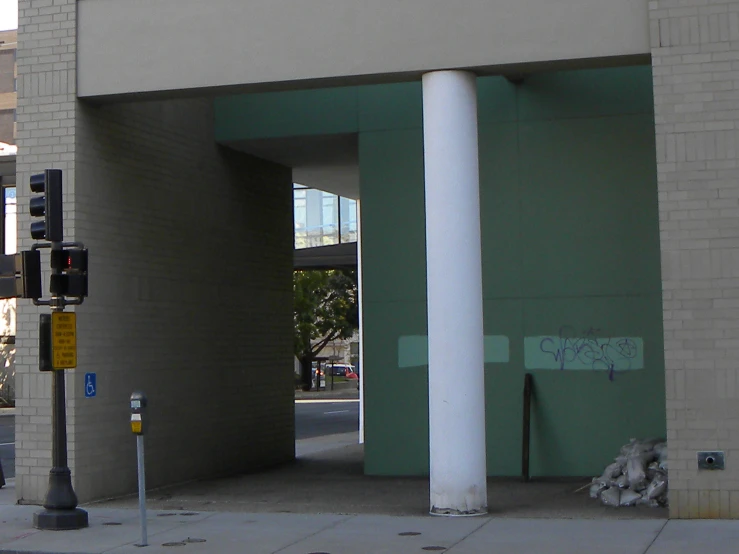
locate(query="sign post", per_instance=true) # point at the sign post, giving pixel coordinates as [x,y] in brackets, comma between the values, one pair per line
[139,425]
[57,346]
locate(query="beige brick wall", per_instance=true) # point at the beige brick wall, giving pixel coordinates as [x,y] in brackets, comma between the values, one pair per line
[190,282]
[45,137]
[695,57]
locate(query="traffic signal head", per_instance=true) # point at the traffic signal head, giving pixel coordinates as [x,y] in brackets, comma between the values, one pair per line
[49,206]
[72,281]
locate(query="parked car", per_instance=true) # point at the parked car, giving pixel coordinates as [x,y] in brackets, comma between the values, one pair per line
[341,370]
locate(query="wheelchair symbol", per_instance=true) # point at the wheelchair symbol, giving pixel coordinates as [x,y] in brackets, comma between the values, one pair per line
[90,388]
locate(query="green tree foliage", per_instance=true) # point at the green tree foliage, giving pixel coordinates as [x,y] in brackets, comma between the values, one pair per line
[325,309]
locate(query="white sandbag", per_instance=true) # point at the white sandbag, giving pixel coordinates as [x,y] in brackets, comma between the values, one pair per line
[597,487]
[611,497]
[637,476]
[652,471]
[636,471]
[612,471]
[639,446]
[629,498]
[660,449]
[657,488]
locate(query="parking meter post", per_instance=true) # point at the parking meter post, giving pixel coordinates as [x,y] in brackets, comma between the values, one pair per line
[139,425]
[142,487]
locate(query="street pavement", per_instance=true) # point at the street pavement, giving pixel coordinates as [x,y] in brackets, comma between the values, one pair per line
[322,417]
[323,503]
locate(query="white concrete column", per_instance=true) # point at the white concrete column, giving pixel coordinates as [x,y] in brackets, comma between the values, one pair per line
[454,281]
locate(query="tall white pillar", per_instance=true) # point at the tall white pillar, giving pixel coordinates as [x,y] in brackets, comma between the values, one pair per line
[454,282]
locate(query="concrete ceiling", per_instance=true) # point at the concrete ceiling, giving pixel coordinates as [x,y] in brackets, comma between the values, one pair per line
[324,162]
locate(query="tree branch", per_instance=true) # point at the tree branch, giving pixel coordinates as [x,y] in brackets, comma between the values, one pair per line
[315,349]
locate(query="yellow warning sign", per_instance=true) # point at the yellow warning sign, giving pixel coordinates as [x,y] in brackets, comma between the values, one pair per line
[63,340]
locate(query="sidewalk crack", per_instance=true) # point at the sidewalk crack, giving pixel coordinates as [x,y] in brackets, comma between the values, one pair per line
[651,544]
[334,524]
[468,535]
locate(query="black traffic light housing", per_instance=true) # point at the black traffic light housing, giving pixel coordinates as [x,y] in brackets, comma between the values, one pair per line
[49,206]
[72,281]
[20,275]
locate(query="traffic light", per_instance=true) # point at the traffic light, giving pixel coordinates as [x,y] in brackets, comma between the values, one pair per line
[20,275]
[49,206]
[72,281]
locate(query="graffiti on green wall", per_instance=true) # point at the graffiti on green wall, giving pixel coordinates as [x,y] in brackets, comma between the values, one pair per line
[584,351]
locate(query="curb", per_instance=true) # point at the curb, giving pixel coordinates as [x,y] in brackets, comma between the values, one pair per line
[343,391]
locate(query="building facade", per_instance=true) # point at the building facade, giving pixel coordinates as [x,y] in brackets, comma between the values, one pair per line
[553,195]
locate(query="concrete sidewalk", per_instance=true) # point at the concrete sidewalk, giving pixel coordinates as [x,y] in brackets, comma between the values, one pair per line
[117,531]
[324,503]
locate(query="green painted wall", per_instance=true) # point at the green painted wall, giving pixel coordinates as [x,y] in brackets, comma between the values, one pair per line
[570,248]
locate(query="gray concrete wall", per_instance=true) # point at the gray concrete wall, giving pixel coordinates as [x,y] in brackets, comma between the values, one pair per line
[137,46]
[190,284]
[694,53]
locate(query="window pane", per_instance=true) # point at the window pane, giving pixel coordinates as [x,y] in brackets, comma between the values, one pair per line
[348,220]
[300,218]
[10,207]
[329,219]
[7,307]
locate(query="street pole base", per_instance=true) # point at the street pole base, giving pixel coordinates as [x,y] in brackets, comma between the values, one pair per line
[60,520]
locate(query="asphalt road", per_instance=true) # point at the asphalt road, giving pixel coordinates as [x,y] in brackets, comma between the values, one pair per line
[7,446]
[321,418]
[312,419]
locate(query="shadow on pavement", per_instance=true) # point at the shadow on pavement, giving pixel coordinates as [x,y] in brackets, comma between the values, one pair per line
[332,481]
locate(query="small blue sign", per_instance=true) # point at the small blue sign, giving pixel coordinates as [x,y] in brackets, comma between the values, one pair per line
[91,388]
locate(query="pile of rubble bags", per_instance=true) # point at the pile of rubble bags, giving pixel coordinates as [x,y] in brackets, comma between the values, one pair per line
[637,476]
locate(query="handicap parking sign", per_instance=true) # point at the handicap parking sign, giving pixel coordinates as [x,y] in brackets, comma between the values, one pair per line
[90,385]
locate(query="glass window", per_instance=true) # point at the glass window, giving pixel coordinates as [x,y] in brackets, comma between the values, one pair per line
[10,227]
[322,218]
[329,218]
[300,218]
[7,306]
[348,209]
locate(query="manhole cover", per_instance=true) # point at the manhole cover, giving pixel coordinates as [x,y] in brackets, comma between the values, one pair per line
[112,523]
[173,544]
[167,514]
[190,514]
[192,539]
[434,548]
[409,533]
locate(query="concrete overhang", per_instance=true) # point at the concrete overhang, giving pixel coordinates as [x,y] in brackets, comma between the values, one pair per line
[154,48]
[325,162]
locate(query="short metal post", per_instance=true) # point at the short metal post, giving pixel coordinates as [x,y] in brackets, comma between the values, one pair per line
[142,488]
[528,386]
